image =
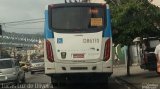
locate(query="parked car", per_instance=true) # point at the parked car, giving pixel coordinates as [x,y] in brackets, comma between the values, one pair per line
[148,58]
[37,65]
[10,71]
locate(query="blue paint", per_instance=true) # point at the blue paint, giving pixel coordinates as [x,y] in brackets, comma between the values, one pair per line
[48,33]
[107,31]
[59,40]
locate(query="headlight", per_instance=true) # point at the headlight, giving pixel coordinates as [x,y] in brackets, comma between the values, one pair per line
[14,73]
[6,77]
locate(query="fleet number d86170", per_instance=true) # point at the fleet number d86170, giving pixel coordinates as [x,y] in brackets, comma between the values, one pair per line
[90,40]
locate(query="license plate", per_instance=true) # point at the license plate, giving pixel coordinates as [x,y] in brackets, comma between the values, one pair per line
[38,65]
[78,55]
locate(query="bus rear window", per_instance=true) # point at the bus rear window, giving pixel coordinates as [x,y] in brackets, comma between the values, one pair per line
[77,18]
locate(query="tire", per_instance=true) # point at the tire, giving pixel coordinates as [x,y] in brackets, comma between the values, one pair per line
[18,81]
[104,84]
[23,79]
[32,72]
[56,83]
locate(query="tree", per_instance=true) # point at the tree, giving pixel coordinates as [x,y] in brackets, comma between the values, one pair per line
[33,56]
[133,18]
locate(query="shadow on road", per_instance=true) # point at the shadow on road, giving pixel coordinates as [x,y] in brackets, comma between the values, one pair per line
[82,86]
[150,74]
[153,76]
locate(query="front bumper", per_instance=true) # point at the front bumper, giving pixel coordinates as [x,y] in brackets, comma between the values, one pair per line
[7,82]
[97,67]
[9,79]
[37,69]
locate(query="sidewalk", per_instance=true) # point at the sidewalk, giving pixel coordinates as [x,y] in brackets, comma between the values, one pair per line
[138,77]
[121,70]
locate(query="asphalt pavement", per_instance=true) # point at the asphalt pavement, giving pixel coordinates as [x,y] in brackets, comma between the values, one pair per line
[139,79]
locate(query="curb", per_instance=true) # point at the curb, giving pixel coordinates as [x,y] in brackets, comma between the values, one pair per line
[121,66]
[126,83]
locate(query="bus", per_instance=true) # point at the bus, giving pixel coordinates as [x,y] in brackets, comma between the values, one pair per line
[78,42]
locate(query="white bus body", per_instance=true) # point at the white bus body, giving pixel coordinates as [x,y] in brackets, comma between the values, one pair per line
[78,54]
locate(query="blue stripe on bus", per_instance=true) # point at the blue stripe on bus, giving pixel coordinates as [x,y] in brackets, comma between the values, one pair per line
[48,33]
[107,30]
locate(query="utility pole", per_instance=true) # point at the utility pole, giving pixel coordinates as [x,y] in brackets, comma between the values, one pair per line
[0,34]
[0,29]
[128,61]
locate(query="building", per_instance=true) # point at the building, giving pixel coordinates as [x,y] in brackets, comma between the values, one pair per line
[94,1]
[155,2]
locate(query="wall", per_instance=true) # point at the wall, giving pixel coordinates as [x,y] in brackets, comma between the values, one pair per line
[123,56]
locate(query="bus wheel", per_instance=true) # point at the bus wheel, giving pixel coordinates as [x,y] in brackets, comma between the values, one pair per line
[105,85]
[53,82]
[56,83]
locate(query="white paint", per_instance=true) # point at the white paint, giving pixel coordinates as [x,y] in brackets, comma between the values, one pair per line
[73,44]
[155,2]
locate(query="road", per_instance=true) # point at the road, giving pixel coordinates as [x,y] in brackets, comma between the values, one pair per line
[139,79]
[42,81]
[40,78]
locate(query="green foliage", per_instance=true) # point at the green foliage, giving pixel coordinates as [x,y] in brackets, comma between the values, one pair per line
[33,56]
[134,18]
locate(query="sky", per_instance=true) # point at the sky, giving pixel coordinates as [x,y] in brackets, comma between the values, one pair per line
[19,10]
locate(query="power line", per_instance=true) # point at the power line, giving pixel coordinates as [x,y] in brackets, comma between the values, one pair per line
[22,21]
[21,28]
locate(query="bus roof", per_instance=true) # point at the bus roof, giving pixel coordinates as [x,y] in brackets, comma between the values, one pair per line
[76,5]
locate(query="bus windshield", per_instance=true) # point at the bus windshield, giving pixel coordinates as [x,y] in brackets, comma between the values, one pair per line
[78,18]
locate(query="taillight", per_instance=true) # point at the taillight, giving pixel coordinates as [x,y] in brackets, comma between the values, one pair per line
[107,50]
[103,5]
[49,51]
